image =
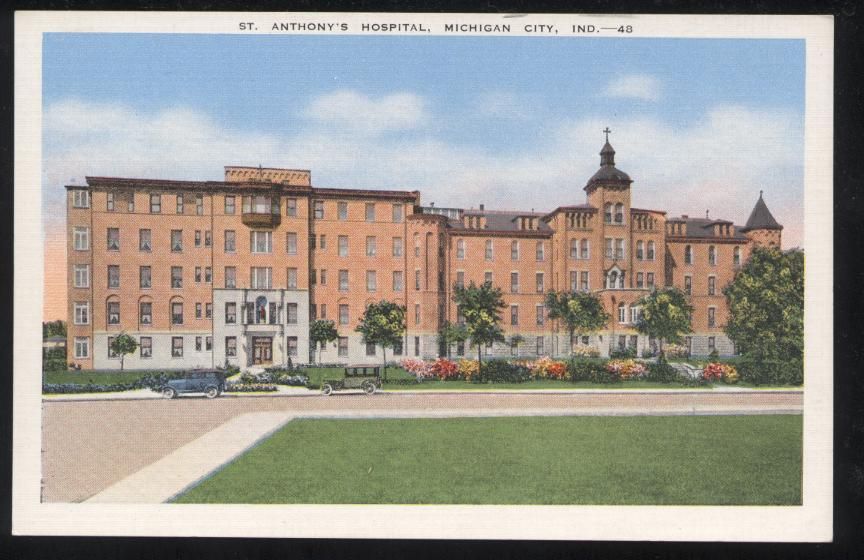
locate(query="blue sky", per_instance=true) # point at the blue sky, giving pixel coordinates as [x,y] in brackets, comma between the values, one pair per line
[509,121]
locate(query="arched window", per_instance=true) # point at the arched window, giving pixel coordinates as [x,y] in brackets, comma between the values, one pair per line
[261,309]
[639,250]
[612,279]
[712,254]
[688,255]
[622,313]
[736,256]
[608,212]
[619,213]
[650,256]
[112,310]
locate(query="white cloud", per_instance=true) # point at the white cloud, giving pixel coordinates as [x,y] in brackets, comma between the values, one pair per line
[358,112]
[719,162]
[635,86]
[502,105]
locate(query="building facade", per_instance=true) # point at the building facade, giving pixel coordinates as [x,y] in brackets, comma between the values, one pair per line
[208,273]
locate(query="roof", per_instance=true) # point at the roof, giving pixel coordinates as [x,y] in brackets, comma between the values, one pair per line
[760,217]
[608,173]
[702,228]
[504,222]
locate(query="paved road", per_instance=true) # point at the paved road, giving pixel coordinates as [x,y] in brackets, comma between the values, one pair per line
[90,445]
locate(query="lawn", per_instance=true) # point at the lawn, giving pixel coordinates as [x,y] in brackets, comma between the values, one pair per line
[710,460]
[84,377]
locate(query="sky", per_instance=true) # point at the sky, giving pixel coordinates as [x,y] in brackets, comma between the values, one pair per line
[510,122]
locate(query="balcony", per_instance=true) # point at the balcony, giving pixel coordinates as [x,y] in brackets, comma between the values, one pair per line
[261,211]
[261,220]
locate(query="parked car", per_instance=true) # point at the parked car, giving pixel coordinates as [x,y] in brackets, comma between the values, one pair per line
[211,382]
[367,378]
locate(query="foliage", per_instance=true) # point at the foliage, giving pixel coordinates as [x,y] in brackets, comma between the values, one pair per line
[383,324]
[54,359]
[627,352]
[250,388]
[764,371]
[713,355]
[451,334]
[676,351]
[444,369]
[585,352]
[502,371]
[661,372]
[468,369]
[580,312]
[716,371]
[123,344]
[547,368]
[515,340]
[766,305]
[481,306]
[591,371]
[275,376]
[53,328]
[421,369]
[322,331]
[626,369]
[665,315]
[67,388]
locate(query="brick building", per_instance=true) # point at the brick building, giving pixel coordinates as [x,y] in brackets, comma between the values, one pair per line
[207,272]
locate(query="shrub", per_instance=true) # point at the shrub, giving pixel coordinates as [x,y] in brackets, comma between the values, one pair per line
[249,388]
[444,369]
[626,353]
[771,371]
[662,372]
[421,369]
[626,369]
[716,371]
[588,370]
[546,368]
[676,351]
[502,371]
[68,388]
[714,355]
[648,353]
[275,376]
[585,352]
[468,369]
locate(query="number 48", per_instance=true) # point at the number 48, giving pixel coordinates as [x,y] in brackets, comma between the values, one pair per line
[625,29]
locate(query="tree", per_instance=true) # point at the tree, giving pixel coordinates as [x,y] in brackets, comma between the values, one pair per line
[322,331]
[581,312]
[451,333]
[123,344]
[665,315]
[53,328]
[383,324]
[481,306]
[515,341]
[766,305]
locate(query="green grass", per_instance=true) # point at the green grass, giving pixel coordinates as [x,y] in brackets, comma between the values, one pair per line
[435,385]
[98,377]
[708,460]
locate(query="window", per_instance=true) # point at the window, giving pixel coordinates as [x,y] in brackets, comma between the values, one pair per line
[639,250]
[109,202]
[323,309]
[81,238]
[416,244]
[371,281]
[343,313]
[688,254]
[291,242]
[82,344]
[635,312]
[155,203]
[343,347]
[609,250]
[177,313]
[292,278]
[650,255]
[688,285]
[416,345]
[619,248]
[343,245]
[146,345]
[291,207]
[145,313]
[416,313]
[113,276]
[574,280]
[198,342]
[514,282]
[197,274]
[179,203]
[487,277]
[323,277]
[230,346]
[319,209]
[197,238]
[291,345]
[81,276]
[145,242]
[540,252]
[711,317]
[574,248]
[230,312]
[261,241]
[176,346]
[176,240]
[230,277]
[262,277]
[131,204]
[371,246]
[198,310]
[230,204]
[323,240]
[208,274]
[397,246]
[514,314]
[650,280]
[460,348]
[291,313]
[145,281]
[342,210]
[113,312]
[370,349]
[417,279]
[489,255]
[343,280]
[607,213]
[397,348]
[199,204]
[230,241]
[712,281]
[585,276]
[398,213]
[736,256]
[622,313]
[370,211]
[208,343]
[712,344]
[80,199]
[640,280]
[712,255]
[460,249]
[514,250]
[460,278]
[540,284]
[398,281]
[540,346]
[584,248]
[82,312]
[176,276]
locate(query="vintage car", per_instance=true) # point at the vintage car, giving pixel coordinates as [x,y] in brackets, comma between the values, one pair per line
[366,378]
[210,382]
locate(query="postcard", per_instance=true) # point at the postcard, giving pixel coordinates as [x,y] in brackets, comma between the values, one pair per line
[452,276]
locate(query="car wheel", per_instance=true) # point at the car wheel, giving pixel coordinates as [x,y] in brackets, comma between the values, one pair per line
[326,389]
[169,393]
[369,388]
[211,392]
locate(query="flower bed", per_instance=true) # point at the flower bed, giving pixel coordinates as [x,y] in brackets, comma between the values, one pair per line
[547,368]
[716,371]
[626,369]
[250,388]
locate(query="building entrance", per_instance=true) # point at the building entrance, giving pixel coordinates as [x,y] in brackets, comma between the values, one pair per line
[262,350]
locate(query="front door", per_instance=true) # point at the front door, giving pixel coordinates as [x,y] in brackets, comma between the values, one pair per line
[262,350]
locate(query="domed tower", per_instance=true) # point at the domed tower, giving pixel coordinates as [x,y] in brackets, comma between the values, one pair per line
[762,229]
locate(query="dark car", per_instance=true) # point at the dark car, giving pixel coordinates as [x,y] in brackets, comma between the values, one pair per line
[367,378]
[211,382]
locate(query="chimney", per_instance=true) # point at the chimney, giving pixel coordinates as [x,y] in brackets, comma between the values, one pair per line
[685,216]
[482,207]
